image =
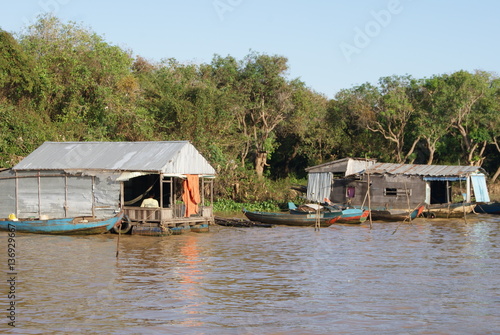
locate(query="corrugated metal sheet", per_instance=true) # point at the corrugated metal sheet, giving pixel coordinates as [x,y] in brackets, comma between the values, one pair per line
[344,165]
[167,157]
[422,170]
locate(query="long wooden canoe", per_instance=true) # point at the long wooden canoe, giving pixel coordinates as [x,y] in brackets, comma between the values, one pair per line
[293,219]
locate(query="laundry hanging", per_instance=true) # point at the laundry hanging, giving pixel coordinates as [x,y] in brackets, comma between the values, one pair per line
[191,195]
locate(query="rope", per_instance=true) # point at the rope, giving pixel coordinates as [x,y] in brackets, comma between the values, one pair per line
[140,197]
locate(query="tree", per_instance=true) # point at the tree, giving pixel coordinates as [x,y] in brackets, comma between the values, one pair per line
[267,102]
[388,109]
[464,93]
[234,139]
[487,128]
[435,120]
[306,137]
[87,82]
[18,77]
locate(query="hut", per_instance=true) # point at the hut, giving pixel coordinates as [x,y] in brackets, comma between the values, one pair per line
[320,178]
[99,179]
[395,186]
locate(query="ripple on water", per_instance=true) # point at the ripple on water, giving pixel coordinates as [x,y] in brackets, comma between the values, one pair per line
[425,277]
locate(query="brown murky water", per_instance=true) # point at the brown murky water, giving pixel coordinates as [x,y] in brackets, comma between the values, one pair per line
[430,277]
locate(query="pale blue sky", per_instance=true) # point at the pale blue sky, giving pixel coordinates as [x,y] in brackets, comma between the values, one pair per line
[330,45]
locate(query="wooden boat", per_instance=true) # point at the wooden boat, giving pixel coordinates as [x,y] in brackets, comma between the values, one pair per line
[200,228]
[451,210]
[64,226]
[488,208]
[150,231]
[353,215]
[396,215]
[238,222]
[350,215]
[293,219]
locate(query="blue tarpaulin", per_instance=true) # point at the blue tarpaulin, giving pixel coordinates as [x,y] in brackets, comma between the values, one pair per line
[444,178]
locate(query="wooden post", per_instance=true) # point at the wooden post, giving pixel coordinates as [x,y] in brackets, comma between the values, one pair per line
[161,198]
[202,189]
[39,195]
[122,195]
[17,194]
[317,223]
[463,199]
[118,239]
[369,201]
[65,195]
[408,202]
[93,196]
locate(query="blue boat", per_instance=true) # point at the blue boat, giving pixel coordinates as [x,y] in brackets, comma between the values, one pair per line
[351,215]
[64,226]
[488,207]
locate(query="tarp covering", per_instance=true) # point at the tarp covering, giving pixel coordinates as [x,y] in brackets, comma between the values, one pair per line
[480,188]
[7,194]
[58,195]
[319,186]
[444,178]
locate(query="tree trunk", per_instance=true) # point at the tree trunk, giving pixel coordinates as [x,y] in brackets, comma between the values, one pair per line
[286,169]
[495,176]
[260,162]
[431,156]
[432,149]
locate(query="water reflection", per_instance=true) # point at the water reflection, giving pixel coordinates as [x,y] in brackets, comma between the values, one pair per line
[430,276]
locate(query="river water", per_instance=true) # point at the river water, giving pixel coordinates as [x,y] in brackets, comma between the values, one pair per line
[428,277]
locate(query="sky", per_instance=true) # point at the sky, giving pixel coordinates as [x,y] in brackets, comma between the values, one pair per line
[330,44]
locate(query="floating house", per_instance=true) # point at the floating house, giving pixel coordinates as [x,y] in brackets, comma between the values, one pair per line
[396,187]
[99,179]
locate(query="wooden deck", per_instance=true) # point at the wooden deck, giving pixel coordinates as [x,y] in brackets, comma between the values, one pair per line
[168,217]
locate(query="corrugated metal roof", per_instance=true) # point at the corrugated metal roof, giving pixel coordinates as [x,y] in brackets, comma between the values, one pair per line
[339,165]
[422,170]
[164,156]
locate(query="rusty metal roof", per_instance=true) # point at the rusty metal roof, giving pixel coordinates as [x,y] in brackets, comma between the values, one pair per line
[422,170]
[176,157]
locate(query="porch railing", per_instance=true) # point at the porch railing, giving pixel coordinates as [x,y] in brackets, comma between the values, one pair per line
[151,214]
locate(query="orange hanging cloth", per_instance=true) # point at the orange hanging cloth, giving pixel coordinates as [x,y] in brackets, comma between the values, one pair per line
[191,195]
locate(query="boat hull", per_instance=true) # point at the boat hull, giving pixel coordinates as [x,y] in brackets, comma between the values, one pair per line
[304,220]
[488,208]
[396,215]
[64,226]
[449,210]
[353,216]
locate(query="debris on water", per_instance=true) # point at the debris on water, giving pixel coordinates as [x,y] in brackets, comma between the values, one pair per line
[237,222]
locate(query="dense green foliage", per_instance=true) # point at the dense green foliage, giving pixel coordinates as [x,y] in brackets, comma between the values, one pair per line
[257,127]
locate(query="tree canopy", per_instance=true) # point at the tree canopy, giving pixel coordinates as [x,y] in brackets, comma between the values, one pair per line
[63,82]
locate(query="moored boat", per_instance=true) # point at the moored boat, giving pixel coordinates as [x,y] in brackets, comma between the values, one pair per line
[396,215]
[488,208]
[63,226]
[349,215]
[451,210]
[200,228]
[353,215]
[293,219]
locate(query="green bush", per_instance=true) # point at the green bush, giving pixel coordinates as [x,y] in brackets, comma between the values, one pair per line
[225,205]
